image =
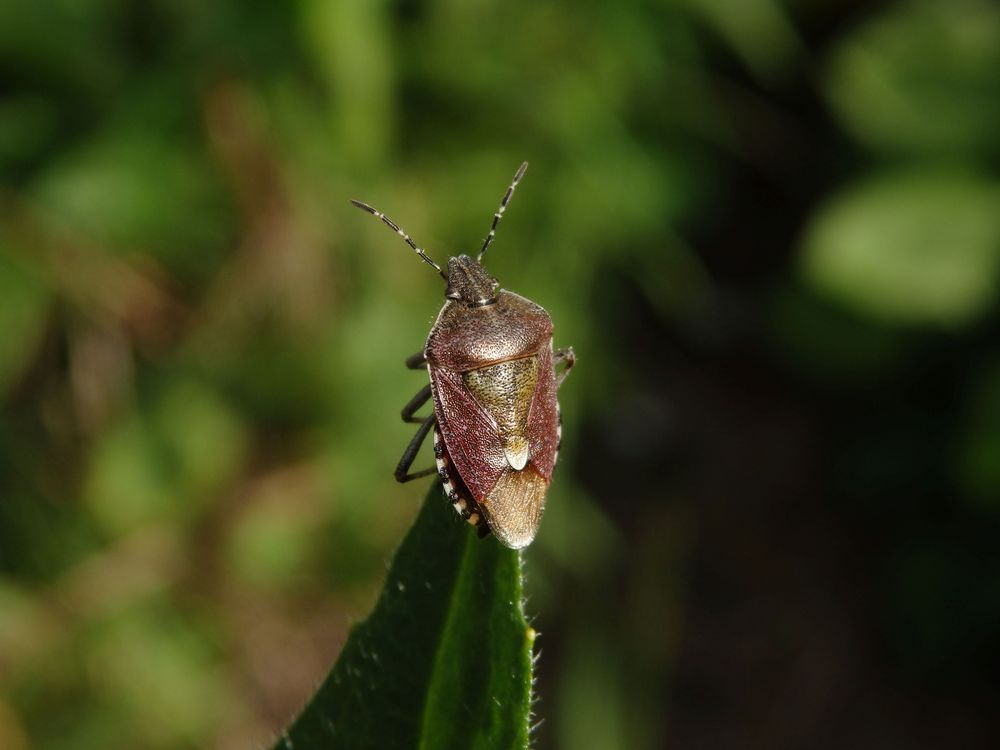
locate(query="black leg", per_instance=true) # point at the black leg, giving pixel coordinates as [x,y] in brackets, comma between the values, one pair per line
[566,357]
[416,361]
[415,403]
[402,470]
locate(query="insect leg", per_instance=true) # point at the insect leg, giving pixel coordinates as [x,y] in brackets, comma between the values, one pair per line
[403,468]
[416,361]
[415,403]
[565,357]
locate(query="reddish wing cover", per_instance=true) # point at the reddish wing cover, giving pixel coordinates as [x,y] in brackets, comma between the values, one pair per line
[471,437]
[543,419]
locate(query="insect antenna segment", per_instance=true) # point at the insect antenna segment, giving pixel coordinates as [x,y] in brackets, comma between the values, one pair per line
[406,238]
[503,207]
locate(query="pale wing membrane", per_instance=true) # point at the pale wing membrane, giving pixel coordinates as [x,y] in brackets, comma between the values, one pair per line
[514,508]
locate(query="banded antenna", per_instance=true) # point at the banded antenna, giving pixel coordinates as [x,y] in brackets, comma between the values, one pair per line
[503,207]
[406,238]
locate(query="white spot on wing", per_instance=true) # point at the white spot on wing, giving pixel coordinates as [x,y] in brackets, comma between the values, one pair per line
[517,458]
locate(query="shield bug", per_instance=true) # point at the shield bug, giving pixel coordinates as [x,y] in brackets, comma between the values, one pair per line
[493,378]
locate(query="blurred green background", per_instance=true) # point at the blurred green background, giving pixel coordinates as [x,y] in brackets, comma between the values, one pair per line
[770,228]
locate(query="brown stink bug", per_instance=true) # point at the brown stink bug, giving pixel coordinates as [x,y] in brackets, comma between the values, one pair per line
[493,378]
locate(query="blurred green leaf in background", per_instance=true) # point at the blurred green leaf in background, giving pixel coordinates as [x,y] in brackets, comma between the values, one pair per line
[921,247]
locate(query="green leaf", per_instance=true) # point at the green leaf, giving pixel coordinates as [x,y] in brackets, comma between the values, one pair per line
[920,78]
[102,188]
[917,247]
[24,308]
[444,660]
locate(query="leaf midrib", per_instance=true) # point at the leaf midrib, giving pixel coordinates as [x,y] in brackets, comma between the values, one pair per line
[443,640]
